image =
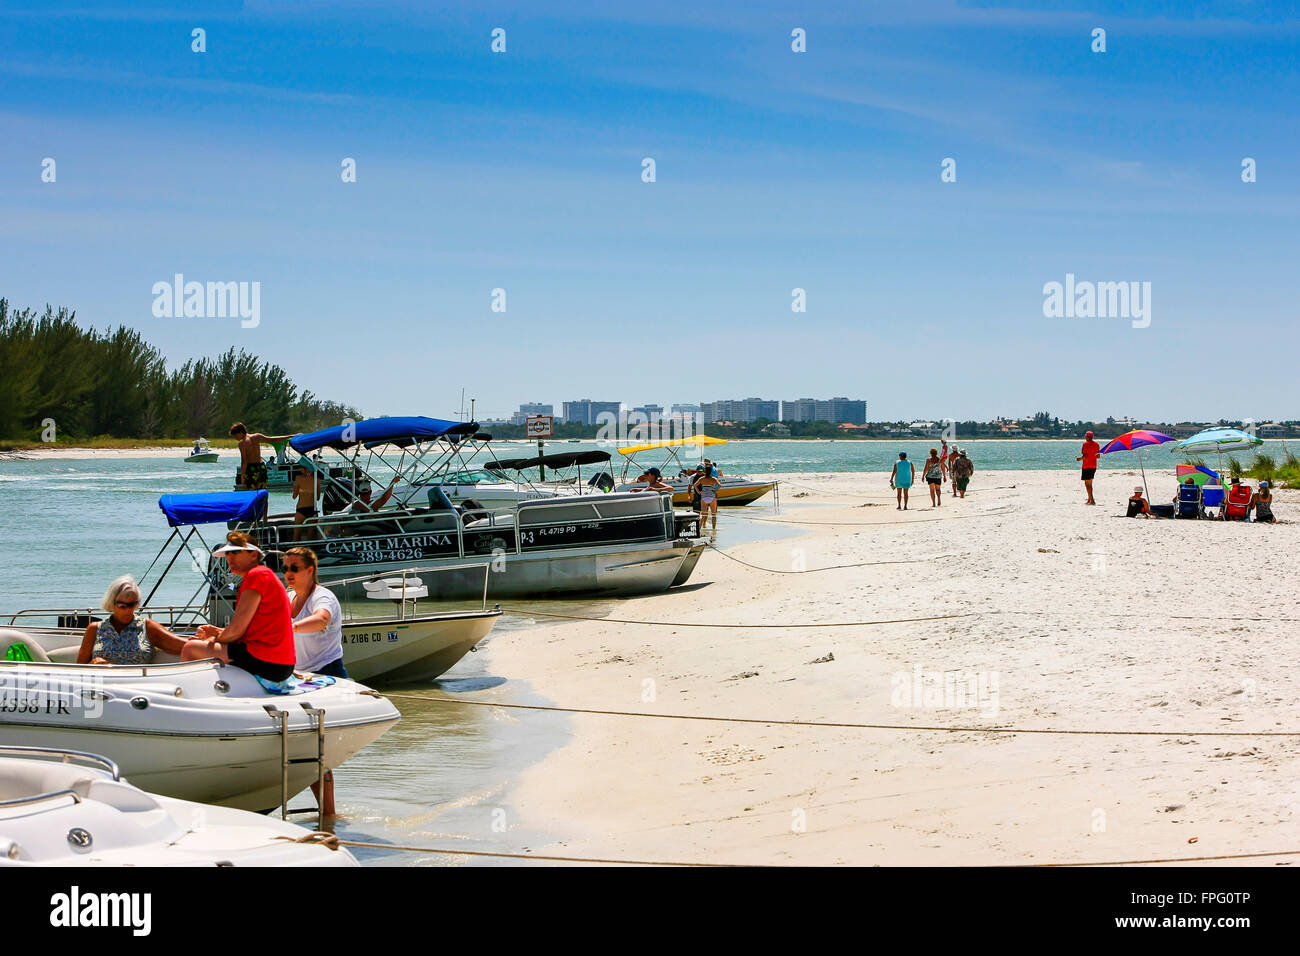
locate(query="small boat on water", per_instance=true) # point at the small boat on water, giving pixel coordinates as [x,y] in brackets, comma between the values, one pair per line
[199,730]
[67,808]
[202,453]
[735,489]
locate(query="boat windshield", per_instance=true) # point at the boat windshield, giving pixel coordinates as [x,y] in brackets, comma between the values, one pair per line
[473,477]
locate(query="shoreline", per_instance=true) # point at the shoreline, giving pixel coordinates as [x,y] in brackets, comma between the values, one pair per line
[1053,636]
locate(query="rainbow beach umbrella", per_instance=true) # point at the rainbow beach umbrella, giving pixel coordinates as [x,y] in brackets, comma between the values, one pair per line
[1198,473]
[1136,440]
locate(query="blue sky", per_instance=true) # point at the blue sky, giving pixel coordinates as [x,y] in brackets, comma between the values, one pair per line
[775,170]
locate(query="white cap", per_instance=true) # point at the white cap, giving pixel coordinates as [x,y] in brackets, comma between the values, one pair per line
[228,548]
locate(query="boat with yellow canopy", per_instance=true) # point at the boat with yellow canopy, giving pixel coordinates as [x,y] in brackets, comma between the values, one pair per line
[735,489]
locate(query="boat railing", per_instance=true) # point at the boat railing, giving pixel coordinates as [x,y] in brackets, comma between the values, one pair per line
[64,756]
[409,606]
[171,616]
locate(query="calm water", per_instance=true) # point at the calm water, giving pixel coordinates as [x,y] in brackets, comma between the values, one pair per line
[442,777]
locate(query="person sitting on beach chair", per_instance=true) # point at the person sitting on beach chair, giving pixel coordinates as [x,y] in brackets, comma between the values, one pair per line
[1137,505]
[1237,505]
[1188,500]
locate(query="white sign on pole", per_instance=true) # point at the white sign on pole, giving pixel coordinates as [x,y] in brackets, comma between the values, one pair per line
[539,426]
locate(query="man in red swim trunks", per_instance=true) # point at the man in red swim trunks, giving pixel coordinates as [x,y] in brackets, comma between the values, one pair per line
[1089,458]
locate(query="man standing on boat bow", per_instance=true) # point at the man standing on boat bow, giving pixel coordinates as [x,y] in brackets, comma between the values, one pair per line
[252,469]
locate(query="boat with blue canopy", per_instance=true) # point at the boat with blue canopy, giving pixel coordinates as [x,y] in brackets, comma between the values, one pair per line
[388,515]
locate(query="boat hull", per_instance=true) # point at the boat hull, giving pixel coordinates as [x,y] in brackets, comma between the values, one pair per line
[414,649]
[201,459]
[638,569]
[196,731]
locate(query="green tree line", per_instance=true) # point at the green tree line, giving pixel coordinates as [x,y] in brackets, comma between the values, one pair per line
[114,383]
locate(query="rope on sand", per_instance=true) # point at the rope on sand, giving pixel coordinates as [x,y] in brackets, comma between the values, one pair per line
[841,725]
[1175,859]
[834,567]
[1002,510]
[614,620]
[334,842]
[535,856]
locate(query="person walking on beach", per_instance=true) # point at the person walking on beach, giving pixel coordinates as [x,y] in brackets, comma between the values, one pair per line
[962,468]
[252,469]
[1089,458]
[900,479]
[933,473]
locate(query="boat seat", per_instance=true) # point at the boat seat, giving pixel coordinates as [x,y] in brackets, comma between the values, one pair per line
[471,509]
[9,637]
[504,519]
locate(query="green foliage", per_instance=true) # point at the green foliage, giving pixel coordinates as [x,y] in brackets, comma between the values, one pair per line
[1234,467]
[114,384]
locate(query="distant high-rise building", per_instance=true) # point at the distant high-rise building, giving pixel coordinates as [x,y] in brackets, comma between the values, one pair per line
[684,409]
[530,408]
[586,412]
[840,410]
[741,410]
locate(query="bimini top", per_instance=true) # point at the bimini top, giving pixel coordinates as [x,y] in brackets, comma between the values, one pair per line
[675,443]
[214,507]
[380,431]
[565,459]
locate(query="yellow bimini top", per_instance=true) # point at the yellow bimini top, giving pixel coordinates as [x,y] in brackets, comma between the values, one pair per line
[698,440]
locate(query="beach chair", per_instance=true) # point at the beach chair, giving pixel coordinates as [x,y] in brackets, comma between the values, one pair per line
[1238,504]
[1189,504]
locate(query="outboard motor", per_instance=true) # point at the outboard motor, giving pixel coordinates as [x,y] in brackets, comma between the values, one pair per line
[603,481]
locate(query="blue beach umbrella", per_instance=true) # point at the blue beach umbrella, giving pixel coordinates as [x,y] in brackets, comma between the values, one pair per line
[1218,440]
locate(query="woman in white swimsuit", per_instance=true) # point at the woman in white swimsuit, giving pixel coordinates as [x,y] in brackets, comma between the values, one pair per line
[708,486]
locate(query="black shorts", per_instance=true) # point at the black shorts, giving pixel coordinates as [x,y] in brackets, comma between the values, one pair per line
[1089,474]
[307,512]
[240,657]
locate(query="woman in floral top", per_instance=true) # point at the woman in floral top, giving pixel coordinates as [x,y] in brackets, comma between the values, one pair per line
[123,638]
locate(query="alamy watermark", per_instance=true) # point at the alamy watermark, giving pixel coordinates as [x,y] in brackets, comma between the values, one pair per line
[208,300]
[945,690]
[1098,300]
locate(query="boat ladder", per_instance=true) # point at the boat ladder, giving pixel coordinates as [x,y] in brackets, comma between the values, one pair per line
[316,714]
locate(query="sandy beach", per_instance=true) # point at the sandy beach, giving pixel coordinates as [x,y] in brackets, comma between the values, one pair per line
[1072,619]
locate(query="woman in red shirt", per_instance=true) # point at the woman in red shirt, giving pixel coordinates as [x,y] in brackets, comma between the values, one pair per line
[259,637]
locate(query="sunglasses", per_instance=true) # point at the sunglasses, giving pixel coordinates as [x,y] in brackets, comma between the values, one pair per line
[127,603]
[295,568]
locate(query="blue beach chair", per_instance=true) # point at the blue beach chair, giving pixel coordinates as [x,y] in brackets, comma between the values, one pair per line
[1190,504]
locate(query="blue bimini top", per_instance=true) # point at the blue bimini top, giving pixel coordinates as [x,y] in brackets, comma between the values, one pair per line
[378,431]
[213,507]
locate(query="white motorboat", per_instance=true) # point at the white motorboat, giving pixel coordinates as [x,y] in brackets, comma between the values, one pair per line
[198,730]
[65,808]
[201,454]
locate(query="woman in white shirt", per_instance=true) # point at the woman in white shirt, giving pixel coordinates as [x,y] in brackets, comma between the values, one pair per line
[317,634]
[317,616]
